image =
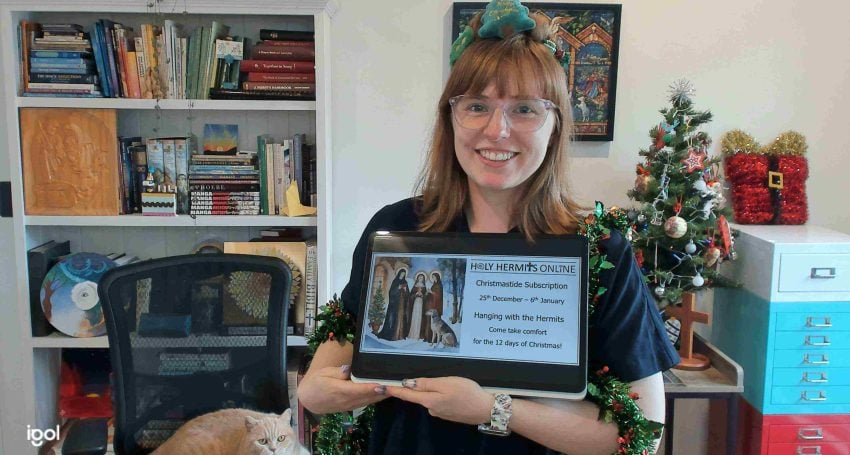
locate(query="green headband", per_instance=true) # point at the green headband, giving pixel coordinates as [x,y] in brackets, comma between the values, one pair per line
[501,19]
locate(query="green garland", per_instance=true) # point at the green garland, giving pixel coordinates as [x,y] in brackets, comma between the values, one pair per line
[340,434]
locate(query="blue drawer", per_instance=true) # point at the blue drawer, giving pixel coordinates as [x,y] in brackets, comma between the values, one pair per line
[809,358]
[811,376]
[809,339]
[812,395]
[813,320]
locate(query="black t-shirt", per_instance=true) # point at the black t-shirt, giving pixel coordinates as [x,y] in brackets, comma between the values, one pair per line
[626,334]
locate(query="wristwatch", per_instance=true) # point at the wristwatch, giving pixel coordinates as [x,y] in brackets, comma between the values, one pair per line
[500,416]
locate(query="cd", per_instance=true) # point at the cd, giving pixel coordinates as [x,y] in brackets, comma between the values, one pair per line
[69,294]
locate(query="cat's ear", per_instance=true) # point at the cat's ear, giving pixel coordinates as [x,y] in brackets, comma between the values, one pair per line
[287,416]
[251,422]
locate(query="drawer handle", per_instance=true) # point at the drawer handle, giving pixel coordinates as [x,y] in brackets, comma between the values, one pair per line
[810,434]
[827,322]
[824,340]
[804,395]
[809,450]
[816,273]
[824,360]
[822,378]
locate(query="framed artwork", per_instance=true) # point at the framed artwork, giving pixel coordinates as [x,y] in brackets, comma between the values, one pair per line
[591,39]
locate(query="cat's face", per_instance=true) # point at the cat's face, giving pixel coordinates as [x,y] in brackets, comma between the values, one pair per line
[272,435]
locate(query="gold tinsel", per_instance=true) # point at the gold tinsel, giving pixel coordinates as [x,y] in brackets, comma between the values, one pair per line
[788,143]
[737,141]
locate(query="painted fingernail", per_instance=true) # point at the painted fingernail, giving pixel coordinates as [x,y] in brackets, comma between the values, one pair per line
[381,389]
[345,369]
[408,383]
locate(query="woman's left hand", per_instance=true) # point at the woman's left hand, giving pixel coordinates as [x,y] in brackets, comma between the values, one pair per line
[449,398]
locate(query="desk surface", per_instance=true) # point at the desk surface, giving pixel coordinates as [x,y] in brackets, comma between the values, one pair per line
[724,375]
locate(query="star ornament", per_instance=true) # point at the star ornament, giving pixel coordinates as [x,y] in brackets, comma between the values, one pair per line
[694,161]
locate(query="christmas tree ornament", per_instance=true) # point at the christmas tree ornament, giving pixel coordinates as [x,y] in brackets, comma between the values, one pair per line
[694,161]
[698,280]
[712,254]
[504,18]
[660,290]
[681,92]
[691,247]
[675,227]
[701,187]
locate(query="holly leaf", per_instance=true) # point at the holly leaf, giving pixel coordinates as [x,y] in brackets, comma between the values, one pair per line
[605,265]
[601,290]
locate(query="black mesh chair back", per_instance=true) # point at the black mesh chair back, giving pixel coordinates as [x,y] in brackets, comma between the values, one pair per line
[190,335]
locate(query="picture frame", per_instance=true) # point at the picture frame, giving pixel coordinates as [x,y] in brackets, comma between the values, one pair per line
[592,43]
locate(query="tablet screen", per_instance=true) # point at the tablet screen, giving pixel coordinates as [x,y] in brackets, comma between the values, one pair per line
[491,307]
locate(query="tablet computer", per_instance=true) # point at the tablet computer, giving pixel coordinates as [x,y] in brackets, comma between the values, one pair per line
[508,314]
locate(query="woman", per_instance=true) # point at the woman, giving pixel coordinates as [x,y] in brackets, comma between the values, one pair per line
[395,307]
[497,163]
[417,309]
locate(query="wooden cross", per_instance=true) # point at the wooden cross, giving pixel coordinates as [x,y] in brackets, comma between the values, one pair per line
[688,316]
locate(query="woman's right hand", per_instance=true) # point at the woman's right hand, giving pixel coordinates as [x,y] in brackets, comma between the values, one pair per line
[327,385]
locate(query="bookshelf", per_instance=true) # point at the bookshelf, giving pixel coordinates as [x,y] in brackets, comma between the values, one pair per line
[30,376]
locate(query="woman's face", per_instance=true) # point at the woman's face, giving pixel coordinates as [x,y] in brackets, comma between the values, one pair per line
[482,153]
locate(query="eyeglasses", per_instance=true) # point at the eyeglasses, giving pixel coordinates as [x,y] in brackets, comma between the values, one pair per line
[523,115]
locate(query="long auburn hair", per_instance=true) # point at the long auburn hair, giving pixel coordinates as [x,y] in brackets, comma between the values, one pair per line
[516,64]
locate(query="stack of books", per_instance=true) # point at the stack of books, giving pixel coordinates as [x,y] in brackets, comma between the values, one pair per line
[281,66]
[60,62]
[224,185]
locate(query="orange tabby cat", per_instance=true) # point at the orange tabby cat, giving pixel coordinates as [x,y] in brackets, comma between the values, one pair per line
[235,432]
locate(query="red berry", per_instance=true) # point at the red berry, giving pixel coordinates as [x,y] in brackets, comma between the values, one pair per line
[634,395]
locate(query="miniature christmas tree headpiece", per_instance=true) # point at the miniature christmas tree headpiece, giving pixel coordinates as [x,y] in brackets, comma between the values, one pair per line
[502,19]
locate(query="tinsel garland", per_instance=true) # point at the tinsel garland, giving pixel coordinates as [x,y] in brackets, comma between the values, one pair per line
[338,435]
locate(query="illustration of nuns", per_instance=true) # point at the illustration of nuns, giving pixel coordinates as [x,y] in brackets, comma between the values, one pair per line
[417,298]
[398,295]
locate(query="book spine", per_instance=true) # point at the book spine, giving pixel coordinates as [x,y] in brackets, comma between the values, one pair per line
[140,173]
[286,86]
[48,61]
[62,86]
[276,66]
[279,177]
[286,35]
[126,167]
[222,187]
[300,54]
[181,150]
[282,77]
[156,165]
[39,66]
[60,54]
[169,160]
[63,78]
[100,62]
[271,187]
[86,71]
[298,161]
[311,287]
[288,43]
[133,82]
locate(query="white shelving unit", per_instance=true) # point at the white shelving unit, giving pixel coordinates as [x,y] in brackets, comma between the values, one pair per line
[30,373]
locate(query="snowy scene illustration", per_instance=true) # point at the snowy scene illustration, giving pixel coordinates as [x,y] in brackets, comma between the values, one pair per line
[415,305]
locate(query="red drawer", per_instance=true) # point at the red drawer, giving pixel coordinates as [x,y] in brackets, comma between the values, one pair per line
[812,433]
[826,448]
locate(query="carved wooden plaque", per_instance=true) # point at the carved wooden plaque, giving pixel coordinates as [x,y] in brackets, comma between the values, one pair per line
[70,161]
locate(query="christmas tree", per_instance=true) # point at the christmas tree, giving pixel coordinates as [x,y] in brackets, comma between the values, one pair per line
[377,310]
[681,233]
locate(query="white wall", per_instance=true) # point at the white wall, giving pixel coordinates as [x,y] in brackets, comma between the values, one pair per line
[763,66]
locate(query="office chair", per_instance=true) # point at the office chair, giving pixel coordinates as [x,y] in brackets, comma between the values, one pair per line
[190,335]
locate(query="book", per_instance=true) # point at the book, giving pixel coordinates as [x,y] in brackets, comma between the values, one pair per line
[276,66]
[281,77]
[306,87]
[291,35]
[225,94]
[287,43]
[39,261]
[266,52]
[69,157]
[311,277]
[181,150]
